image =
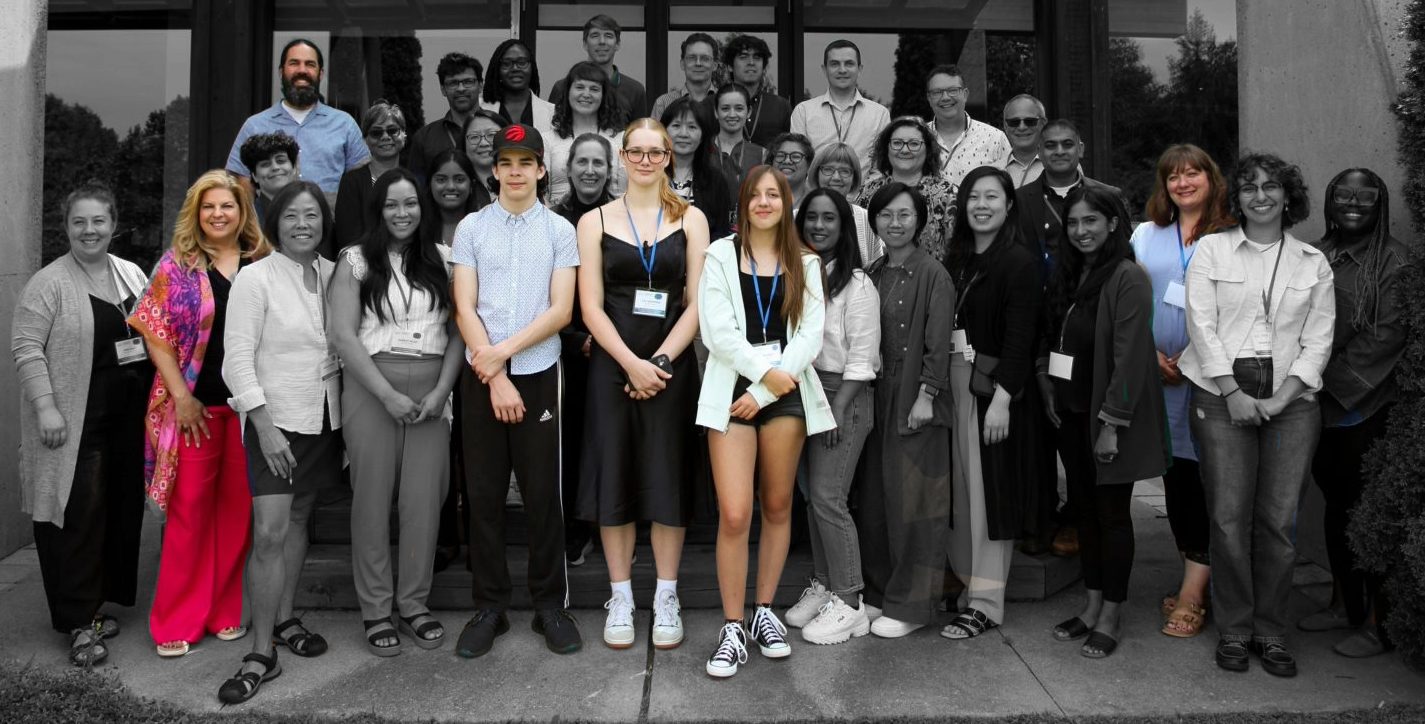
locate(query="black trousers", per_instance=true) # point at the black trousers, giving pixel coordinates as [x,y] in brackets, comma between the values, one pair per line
[1337,471]
[1105,526]
[1187,509]
[531,450]
[94,558]
[449,534]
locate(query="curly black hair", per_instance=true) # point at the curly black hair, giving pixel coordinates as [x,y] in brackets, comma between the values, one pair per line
[741,43]
[881,153]
[453,63]
[1298,200]
[259,147]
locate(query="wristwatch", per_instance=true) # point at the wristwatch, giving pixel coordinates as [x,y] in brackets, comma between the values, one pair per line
[928,390]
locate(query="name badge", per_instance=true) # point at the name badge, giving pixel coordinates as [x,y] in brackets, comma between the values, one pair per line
[1175,295]
[1061,366]
[331,367]
[650,303]
[772,352]
[406,342]
[130,350]
[1262,342]
[958,341]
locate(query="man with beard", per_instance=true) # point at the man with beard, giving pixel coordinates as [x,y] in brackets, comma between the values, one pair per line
[965,143]
[330,140]
[602,36]
[460,77]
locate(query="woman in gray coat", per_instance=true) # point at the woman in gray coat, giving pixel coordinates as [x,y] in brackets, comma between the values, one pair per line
[84,376]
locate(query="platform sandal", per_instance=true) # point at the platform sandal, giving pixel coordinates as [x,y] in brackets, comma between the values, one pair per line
[421,633]
[377,630]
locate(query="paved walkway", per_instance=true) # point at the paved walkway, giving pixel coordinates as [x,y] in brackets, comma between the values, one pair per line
[1016,669]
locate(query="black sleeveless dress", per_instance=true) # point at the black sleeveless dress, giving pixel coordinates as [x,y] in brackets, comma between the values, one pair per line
[639,456]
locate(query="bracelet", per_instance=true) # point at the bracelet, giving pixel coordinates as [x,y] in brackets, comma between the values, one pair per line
[1234,389]
[928,390]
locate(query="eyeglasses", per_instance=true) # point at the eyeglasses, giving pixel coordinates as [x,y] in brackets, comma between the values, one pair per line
[834,171]
[1030,122]
[639,155]
[378,132]
[477,138]
[912,145]
[698,59]
[1249,190]
[936,93]
[520,63]
[1355,197]
[887,217]
[789,156]
[462,83]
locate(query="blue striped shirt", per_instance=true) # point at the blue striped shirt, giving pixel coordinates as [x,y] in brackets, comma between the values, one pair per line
[514,258]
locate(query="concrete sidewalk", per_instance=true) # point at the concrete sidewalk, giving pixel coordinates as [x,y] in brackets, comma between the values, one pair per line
[1016,669]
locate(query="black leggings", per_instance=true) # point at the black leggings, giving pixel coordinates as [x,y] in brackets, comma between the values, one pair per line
[1337,471]
[1105,526]
[1187,509]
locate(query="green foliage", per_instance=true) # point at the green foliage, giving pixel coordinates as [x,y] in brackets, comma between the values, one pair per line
[401,76]
[1388,526]
[78,147]
[915,56]
[1009,71]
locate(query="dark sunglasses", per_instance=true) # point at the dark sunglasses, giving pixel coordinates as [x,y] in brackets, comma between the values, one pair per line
[1030,122]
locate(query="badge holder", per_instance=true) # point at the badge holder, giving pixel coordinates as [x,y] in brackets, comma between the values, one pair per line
[130,350]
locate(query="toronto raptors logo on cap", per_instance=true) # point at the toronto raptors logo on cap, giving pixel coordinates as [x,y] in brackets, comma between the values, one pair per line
[514,133]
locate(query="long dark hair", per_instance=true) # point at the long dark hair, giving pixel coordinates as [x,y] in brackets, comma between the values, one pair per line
[1064,287]
[1368,281]
[710,192]
[790,246]
[846,252]
[284,198]
[610,114]
[423,264]
[494,90]
[430,209]
[962,240]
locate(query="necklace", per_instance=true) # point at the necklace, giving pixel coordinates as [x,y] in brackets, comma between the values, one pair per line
[99,283]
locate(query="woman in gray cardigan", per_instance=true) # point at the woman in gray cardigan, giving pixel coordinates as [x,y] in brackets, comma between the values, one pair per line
[84,377]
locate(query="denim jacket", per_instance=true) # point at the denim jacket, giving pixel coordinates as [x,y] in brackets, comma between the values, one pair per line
[1360,376]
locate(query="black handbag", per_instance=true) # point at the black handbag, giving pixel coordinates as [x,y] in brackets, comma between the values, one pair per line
[982,381]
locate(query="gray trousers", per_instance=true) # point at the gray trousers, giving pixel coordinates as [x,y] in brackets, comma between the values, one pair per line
[835,550]
[980,563]
[389,458]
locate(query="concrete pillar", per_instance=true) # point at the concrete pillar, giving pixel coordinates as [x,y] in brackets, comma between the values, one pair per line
[1317,79]
[22,85]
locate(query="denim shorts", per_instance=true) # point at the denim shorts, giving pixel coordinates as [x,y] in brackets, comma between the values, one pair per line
[788,405]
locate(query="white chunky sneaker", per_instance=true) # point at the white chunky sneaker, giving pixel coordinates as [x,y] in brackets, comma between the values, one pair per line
[889,628]
[667,621]
[836,623]
[769,633]
[813,598]
[731,651]
[872,613]
[618,627]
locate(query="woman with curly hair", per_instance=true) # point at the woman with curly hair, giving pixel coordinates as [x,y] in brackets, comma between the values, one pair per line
[590,106]
[907,152]
[195,466]
[1260,310]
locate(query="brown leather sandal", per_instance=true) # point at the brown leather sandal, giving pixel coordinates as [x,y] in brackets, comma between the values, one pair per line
[1186,621]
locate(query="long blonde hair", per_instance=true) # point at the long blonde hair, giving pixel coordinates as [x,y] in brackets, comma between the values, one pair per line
[673,204]
[191,248]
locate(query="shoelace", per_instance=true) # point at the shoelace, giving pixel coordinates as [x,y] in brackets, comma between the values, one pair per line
[829,608]
[815,589]
[620,610]
[732,647]
[665,610]
[767,628]
[554,617]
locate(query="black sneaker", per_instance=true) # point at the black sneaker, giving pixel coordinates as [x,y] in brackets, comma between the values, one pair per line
[767,631]
[478,636]
[1232,654]
[561,633]
[1276,660]
[576,551]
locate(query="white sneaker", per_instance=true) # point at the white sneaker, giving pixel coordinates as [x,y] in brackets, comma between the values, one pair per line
[813,598]
[889,628]
[731,651]
[618,627]
[667,622]
[769,633]
[836,623]
[872,613]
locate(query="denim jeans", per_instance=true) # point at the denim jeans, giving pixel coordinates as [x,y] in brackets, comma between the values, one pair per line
[836,552]
[1253,477]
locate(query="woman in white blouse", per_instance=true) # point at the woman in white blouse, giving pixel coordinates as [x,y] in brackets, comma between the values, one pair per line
[390,320]
[1260,313]
[285,380]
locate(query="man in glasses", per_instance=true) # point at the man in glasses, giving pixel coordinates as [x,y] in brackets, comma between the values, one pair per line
[965,143]
[699,62]
[768,114]
[602,36]
[842,114]
[1023,120]
[330,140]
[460,79]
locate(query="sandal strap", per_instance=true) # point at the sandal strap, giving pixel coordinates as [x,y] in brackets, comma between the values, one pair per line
[289,623]
[430,625]
[268,662]
[378,629]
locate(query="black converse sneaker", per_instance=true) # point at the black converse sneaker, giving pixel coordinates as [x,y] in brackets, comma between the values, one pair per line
[731,651]
[769,633]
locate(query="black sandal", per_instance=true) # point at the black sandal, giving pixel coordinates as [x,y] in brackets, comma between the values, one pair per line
[408,625]
[1071,630]
[968,625]
[86,647]
[106,625]
[378,629]
[303,642]
[1099,646]
[244,684]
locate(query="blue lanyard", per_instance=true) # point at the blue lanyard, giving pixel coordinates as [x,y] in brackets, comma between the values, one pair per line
[765,311]
[1182,258]
[652,258]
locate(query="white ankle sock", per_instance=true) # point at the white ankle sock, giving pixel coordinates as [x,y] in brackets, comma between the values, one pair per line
[665,586]
[624,587]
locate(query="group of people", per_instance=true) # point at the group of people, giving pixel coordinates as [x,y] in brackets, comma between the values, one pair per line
[916,320]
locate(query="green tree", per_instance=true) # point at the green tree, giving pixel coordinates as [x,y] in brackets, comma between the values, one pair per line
[1009,71]
[1139,124]
[915,56]
[148,193]
[78,147]
[401,76]
[1202,91]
